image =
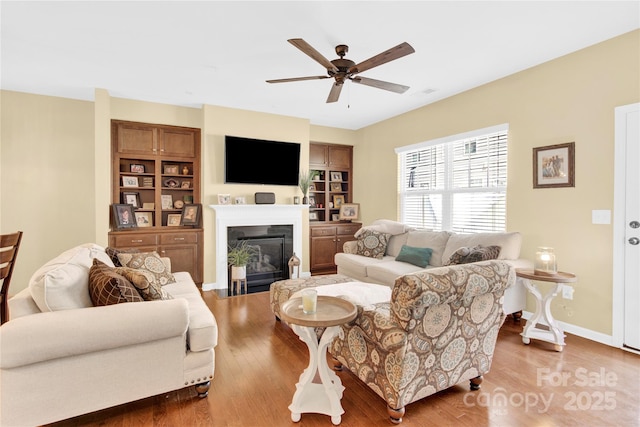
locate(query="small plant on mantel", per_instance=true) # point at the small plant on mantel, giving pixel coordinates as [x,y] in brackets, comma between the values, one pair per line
[305,183]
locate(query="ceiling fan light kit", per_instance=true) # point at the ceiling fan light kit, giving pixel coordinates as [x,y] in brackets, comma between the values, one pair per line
[342,69]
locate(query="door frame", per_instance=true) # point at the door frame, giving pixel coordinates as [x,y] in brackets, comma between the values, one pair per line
[619,243]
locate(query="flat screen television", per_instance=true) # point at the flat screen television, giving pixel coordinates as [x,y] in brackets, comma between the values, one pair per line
[259,161]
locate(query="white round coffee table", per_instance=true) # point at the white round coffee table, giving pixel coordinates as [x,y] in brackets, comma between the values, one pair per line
[310,396]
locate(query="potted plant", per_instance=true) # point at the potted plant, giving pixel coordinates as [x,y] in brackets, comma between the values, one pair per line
[238,257]
[305,183]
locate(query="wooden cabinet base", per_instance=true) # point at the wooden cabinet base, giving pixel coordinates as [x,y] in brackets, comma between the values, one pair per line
[184,247]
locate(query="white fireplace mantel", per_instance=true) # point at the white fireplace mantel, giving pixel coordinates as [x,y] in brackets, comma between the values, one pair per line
[247,215]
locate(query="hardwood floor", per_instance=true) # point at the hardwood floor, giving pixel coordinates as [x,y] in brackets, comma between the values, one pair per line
[259,360]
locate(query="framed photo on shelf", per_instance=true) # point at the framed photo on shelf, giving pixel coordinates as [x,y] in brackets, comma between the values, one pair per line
[144,219]
[185,184]
[171,169]
[336,186]
[338,200]
[336,176]
[173,220]
[553,166]
[312,201]
[312,187]
[191,215]
[131,198]
[135,168]
[123,216]
[313,216]
[349,211]
[335,217]
[129,181]
[167,201]
[224,199]
[171,183]
[240,200]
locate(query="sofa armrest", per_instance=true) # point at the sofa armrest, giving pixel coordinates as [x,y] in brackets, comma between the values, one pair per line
[45,336]
[350,247]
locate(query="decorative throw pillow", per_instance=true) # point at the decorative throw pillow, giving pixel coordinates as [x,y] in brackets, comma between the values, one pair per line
[372,243]
[106,287]
[144,282]
[467,255]
[150,262]
[113,254]
[415,256]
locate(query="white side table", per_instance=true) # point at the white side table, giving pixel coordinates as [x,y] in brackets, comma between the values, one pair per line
[310,396]
[554,334]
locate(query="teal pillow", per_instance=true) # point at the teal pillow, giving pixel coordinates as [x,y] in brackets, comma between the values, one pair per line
[415,256]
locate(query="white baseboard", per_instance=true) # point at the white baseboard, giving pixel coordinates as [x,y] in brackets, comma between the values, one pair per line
[579,331]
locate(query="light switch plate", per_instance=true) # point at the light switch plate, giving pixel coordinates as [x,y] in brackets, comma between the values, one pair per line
[601,217]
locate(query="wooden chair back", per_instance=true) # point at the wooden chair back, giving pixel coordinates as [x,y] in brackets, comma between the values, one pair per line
[9,245]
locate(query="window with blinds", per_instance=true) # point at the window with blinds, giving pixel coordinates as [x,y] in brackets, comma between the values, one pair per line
[457,183]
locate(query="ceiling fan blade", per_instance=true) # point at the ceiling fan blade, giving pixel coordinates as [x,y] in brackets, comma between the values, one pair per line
[393,87]
[297,79]
[399,51]
[314,54]
[335,92]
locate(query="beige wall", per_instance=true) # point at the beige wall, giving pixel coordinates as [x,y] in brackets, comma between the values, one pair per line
[569,99]
[54,183]
[47,177]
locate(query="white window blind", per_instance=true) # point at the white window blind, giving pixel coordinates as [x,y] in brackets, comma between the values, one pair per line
[457,183]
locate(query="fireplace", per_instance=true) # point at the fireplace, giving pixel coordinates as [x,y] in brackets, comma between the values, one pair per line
[272,245]
[267,216]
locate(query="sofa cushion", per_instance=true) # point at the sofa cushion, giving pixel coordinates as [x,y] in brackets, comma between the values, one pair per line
[357,264]
[144,283]
[435,240]
[106,287]
[396,243]
[388,272]
[62,283]
[372,243]
[113,254]
[415,256]
[479,253]
[203,329]
[509,243]
[149,262]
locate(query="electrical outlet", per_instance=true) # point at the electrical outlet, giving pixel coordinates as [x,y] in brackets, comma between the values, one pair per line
[567,291]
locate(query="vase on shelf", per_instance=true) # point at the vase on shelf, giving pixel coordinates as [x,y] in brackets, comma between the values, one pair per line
[305,200]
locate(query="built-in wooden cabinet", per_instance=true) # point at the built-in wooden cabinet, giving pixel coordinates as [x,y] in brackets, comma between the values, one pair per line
[326,241]
[157,169]
[331,187]
[333,182]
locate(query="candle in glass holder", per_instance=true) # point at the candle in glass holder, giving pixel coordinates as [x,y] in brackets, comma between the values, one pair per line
[309,301]
[545,261]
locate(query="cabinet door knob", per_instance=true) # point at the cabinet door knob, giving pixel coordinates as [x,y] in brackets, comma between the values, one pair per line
[136,241]
[178,238]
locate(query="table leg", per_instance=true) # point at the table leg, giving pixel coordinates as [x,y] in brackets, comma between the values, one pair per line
[324,397]
[543,312]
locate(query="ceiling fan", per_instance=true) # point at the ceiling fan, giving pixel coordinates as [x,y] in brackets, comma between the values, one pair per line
[342,69]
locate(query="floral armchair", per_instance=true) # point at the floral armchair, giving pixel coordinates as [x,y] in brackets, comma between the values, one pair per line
[439,329]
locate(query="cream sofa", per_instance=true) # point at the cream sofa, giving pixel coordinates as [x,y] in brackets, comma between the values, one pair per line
[444,244]
[61,357]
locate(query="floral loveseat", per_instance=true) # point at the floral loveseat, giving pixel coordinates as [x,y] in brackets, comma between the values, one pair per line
[87,335]
[438,329]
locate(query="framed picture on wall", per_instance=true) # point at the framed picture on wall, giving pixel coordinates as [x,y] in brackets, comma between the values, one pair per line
[553,166]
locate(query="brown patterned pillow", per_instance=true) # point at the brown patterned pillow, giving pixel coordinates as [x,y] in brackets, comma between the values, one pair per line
[372,243]
[144,282]
[113,254]
[149,262]
[466,255]
[106,287]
